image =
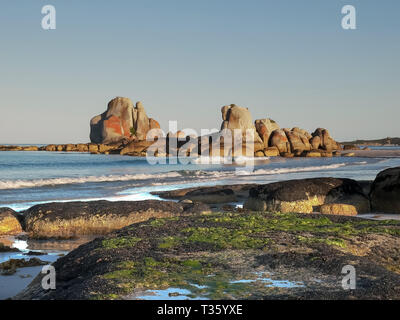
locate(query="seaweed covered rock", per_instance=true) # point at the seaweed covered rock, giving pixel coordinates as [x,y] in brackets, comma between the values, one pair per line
[385,191]
[307,195]
[71,219]
[232,256]
[9,223]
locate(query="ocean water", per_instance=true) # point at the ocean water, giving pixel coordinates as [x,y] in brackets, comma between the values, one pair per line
[29,178]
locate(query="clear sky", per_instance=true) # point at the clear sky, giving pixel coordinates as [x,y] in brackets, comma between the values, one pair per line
[288,60]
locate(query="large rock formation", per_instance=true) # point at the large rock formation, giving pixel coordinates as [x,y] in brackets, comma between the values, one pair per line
[298,140]
[235,117]
[264,128]
[385,191]
[279,140]
[307,195]
[293,142]
[128,125]
[121,121]
[321,139]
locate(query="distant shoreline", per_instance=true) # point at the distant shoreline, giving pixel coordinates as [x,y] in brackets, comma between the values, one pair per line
[374,142]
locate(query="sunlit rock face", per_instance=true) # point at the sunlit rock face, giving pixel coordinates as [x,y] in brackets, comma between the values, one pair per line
[121,121]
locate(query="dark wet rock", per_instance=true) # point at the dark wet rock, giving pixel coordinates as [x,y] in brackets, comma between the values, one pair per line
[210,195]
[35,253]
[4,248]
[385,191]
[195,207]
[307,195]
[366,186]
[71,219]
[351,147]
[10,267]
[208,254]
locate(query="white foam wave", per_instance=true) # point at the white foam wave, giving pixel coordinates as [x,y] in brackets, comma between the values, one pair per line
[188,174]
[225,160]
[19,184]
[291,170]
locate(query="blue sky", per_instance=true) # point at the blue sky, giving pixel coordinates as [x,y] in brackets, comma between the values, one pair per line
[288,60]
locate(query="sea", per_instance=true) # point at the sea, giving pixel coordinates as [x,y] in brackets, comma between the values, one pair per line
[30,178]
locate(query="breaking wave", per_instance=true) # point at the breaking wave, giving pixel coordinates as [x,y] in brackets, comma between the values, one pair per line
[18,184]
[197,175]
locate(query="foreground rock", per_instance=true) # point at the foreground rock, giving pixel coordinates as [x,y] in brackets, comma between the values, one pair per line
[385,191]
[72,219]
[209,195]
[9,223]
[308,195]
[195,254]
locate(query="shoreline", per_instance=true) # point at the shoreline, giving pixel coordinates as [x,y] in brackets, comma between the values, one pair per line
[93,148]
[188,204]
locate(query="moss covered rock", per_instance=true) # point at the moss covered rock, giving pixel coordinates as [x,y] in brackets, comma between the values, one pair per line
[233,256]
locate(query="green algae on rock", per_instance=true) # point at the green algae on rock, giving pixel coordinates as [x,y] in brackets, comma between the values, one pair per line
[257,255]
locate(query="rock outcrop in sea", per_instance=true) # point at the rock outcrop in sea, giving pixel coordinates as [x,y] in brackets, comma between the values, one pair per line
[121,121]
[124,129]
